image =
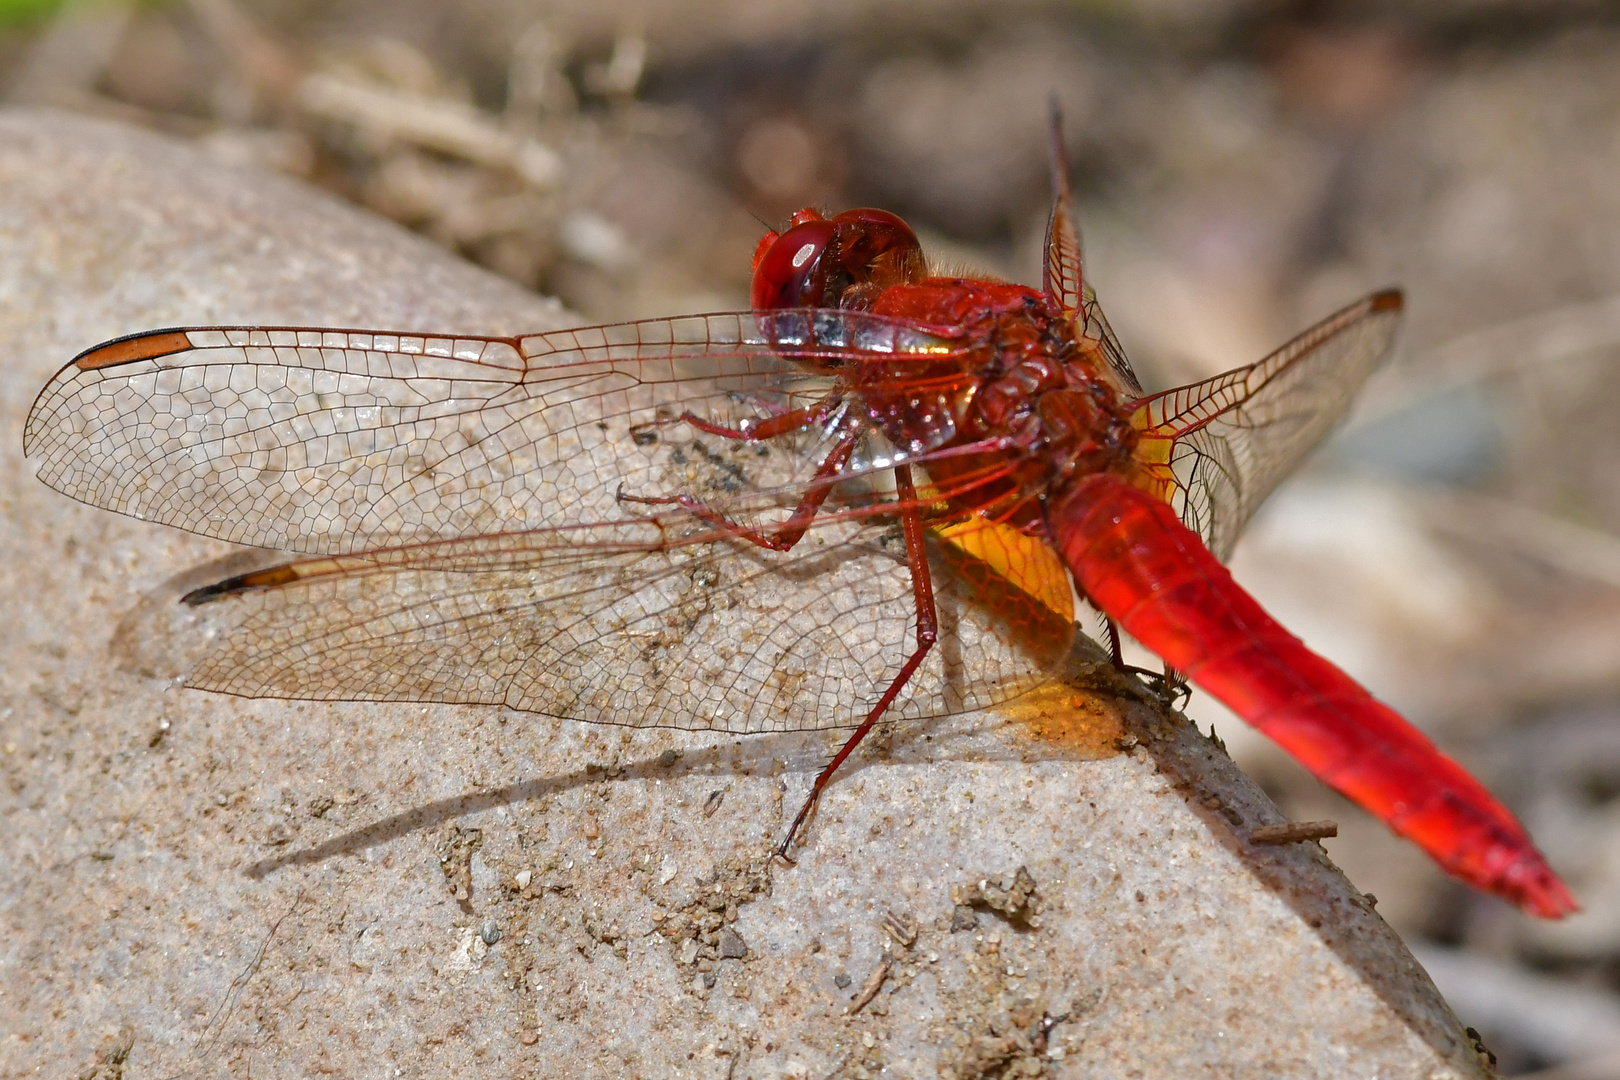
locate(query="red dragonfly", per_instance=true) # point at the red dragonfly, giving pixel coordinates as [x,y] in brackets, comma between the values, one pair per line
[877,486]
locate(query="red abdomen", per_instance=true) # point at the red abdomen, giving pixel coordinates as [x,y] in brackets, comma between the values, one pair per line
[1146,570]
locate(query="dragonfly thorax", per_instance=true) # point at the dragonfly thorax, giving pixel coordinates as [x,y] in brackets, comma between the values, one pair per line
[1023,385]
[1026,391]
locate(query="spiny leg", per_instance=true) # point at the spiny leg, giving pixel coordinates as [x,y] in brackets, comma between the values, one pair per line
[922,590]
[779,537]
[790,532]
[1168,686]
[1174,685]
[1115,651]
[777,423]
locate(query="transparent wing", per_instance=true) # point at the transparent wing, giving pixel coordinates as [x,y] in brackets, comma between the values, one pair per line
[1063,276]
[1097,334]
[321,440]
[1216,449]
[655,622]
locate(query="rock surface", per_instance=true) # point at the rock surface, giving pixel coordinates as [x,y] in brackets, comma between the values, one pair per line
[204,885]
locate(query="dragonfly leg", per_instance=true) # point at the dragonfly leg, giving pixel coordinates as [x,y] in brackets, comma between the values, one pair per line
[1175,687]
[922,589]
[781,537]
[1170,686]
[1115,651]
[777,423]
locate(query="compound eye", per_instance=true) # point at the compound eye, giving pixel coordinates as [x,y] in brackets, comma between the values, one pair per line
[790,273]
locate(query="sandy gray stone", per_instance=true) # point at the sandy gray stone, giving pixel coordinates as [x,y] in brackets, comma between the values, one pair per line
[201,885]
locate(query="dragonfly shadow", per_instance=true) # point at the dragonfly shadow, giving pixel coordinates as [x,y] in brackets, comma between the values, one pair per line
[158,638]
[799,753]
[715,760]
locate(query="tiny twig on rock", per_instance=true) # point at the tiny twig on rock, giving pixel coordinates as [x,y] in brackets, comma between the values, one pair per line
[1292,832]
[870,988]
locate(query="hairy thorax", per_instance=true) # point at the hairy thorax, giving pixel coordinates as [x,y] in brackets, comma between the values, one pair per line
[1028,381]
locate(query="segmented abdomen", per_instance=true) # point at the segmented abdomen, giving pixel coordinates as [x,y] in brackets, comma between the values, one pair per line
[1146,570]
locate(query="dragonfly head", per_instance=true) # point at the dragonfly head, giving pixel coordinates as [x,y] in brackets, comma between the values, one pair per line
[842,262]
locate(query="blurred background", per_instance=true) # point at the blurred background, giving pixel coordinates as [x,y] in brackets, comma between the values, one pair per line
[1243,168]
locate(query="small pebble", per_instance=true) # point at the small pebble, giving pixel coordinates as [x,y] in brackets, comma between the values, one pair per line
[523,878]
[842,981]
[732,945]
[489,932]
[902,928]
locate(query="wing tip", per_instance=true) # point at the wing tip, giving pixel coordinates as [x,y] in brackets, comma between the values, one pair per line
[147,345]
[241,583]
[1055,147]
[1387,300]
